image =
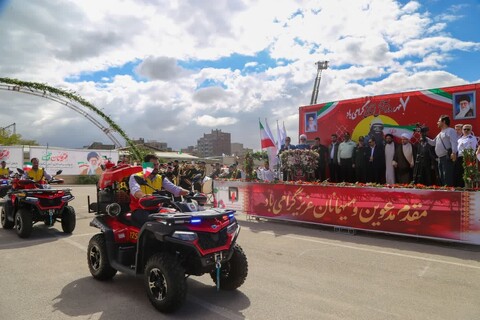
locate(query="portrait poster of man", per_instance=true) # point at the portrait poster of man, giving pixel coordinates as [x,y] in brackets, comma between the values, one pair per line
[464,105]
[310,122]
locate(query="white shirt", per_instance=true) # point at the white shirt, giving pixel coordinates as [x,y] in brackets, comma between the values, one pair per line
[447,138]
[466,142]
[345,149]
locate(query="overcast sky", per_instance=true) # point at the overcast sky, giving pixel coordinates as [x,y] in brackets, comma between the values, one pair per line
[173,70]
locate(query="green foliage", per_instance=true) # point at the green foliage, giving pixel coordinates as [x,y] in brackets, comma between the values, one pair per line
[259,155]
[248,167]
[75,97]
[87,179]
[7,139]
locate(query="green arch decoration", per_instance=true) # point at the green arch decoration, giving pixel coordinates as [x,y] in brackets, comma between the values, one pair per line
[35,87]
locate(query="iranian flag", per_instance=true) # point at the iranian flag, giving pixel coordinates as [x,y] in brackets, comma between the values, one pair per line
[266,138]
[27,166]
[268,143]
[397,131]
[147,168]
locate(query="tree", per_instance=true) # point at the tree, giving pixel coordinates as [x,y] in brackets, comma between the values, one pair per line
[7,139]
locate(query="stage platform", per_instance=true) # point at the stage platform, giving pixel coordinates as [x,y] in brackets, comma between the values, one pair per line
[444,214]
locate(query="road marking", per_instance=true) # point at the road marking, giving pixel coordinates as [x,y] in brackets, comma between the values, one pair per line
[375,251]
[423,271]
[76,244]
[216,309]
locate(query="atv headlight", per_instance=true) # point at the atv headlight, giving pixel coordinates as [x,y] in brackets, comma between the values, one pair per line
[31,199]
[67,198]
[185,235]
[232,228]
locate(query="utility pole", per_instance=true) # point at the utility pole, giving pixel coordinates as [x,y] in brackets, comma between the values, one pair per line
[321,65]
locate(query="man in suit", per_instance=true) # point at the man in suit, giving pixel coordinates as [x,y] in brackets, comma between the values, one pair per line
[320,170]
[333,165]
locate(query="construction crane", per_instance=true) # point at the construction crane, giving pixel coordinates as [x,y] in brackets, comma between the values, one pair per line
[10,126]
[321,65]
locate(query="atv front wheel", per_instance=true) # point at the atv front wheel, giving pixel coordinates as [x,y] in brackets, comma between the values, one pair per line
[165,282]
[6,224]
[68,219]
[23,223]
[97,258]
[233,272]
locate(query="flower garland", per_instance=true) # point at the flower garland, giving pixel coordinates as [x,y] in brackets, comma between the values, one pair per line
[297,159]
[248,167]
[306,160]
[470,168]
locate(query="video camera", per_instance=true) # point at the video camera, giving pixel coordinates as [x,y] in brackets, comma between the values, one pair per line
[422,129]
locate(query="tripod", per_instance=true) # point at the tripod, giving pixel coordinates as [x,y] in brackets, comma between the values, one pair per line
[418,168]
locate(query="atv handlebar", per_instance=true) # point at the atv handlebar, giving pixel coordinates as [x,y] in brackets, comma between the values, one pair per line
[153,201]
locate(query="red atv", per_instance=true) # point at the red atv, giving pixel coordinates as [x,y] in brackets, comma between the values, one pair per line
[5,184]
[168,248]
[28,202]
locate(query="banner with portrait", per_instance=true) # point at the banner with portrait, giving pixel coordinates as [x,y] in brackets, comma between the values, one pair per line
[398,113]
[73,161]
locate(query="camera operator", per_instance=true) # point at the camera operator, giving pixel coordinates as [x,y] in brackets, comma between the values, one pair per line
[424,161]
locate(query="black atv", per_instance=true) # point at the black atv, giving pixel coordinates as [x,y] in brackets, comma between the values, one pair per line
[168,248]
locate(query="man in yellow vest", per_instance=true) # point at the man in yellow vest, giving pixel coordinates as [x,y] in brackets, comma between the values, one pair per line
[156,182]
[36,174]
[4,171]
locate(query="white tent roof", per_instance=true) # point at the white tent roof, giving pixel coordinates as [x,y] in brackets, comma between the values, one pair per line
[175,155]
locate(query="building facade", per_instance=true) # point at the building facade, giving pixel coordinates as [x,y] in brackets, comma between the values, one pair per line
[215,143]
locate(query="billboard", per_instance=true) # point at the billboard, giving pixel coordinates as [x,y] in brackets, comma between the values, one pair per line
[73,161]
[12,155]
[391,113]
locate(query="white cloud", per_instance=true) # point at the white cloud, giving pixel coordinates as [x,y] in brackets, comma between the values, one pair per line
[251,64]
[209,121]
[405,46]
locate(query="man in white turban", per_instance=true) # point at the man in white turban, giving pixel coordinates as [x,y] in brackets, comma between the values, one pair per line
[404,160]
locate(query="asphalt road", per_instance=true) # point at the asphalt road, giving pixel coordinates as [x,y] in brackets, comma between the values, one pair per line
[295,272]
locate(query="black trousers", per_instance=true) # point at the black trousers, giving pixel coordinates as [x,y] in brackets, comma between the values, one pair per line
[334,169]
[458,173]
[140,216]
[346,170]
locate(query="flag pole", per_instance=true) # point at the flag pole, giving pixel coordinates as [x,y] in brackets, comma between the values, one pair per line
[46,158]
[260,132]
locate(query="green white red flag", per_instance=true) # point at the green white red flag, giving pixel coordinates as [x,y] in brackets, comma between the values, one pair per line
[266,139]
[147,168]
[397,131]
[27,166]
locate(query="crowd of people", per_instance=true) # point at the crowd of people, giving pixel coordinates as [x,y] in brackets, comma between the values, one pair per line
[426,161]
[188,173]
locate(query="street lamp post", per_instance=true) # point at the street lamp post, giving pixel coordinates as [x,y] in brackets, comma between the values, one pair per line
[321,65]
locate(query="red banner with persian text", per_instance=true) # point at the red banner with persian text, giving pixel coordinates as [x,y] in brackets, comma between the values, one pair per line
[428,213]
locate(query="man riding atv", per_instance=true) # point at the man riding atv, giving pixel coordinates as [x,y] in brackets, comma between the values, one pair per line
[155,182]
[4,171]
[36,174]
